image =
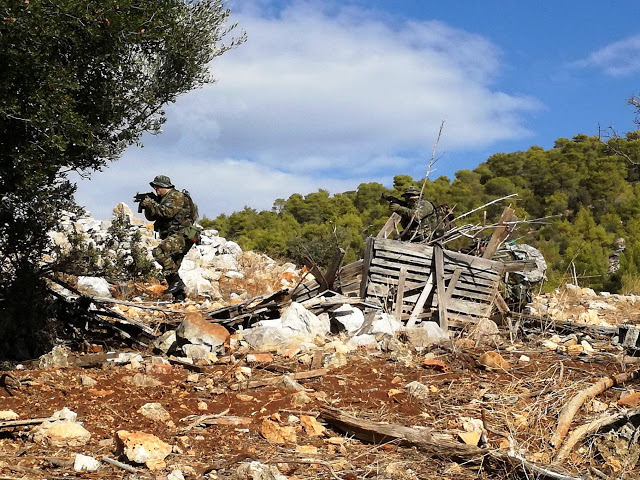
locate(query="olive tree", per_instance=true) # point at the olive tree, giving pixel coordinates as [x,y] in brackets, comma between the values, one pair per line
[81,80]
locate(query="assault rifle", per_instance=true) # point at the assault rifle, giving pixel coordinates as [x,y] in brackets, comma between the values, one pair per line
[392,199]
[139,198]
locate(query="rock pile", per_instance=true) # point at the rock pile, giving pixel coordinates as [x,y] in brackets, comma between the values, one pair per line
[214,261]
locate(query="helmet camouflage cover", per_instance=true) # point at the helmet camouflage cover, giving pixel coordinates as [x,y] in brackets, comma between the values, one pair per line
[411,191]
[161,181]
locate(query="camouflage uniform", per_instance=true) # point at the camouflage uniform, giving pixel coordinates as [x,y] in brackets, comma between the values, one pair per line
[419,217]
[173,220]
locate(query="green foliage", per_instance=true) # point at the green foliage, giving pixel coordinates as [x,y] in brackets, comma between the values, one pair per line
[80,82]
[587,188]
[122,257]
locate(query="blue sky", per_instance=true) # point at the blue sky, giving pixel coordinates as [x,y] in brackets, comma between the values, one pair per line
[331,94]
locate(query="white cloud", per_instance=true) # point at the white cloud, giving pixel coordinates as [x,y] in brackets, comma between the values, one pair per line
[322,93]
[221,186]
[617,59]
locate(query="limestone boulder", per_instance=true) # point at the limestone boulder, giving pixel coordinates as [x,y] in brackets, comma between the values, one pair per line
[196,330]
[140,447]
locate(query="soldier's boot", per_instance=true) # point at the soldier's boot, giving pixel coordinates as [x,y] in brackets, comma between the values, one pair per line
[179,296]
[175,283]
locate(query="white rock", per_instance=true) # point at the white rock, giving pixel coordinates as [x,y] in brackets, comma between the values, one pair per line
[600,305]
[233,274]
[298,320]
[175,475]
[361,340]
[196,352]
[66,415]
[154,411]
[94,286]
[8,415]
[141,447]
[61,434]
[257,471]
[349,317]
[587,347]
[434,333]
[385,324]
[166,341]
[85,463]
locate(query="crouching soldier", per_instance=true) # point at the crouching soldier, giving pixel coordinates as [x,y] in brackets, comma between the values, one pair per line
[419,216]
[174,214]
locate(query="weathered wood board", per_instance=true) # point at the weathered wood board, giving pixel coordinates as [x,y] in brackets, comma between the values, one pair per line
[475,279]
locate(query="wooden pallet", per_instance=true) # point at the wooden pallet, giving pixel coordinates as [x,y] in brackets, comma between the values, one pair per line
[399,274]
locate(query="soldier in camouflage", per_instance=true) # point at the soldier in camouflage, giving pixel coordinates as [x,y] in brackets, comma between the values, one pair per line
[174,214]
[419,217]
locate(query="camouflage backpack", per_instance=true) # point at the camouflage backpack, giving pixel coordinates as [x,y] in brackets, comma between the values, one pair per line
[192,232]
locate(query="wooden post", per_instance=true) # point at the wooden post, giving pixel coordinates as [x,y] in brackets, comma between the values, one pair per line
[390,226]
[400,293]
[421,301]
[500,233]
[438,259]
[332,269]
[368,252]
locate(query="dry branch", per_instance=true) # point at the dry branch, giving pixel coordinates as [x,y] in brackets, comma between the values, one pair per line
[374,432]
[571,408]
[589,428]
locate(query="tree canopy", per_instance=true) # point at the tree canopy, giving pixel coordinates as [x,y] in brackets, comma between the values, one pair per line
[586,190]
[79,82]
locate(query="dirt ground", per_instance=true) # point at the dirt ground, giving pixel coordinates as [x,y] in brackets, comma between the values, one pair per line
[520,403]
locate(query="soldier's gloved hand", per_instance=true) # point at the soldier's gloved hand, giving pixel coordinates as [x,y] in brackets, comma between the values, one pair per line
[147,202]
[395,207]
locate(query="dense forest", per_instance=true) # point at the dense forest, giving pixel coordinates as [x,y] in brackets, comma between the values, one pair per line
[586,190]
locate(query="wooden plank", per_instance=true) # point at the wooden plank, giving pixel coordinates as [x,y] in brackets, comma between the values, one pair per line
[400,292]
[393,269]
[450,263]
[390,226]
[352,270]
[366,261]
[468,307]
[500,233]
[421,301]
[332,269]
[501,304]
[440,287]
[379,275]
[412,296]
[452,282]
[413,289]
[420,250]
[376,290]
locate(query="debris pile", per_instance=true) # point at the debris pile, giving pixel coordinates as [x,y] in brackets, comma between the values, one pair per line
[405,365]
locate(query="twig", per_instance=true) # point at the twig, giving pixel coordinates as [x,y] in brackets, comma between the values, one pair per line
[485,205]
[571,408]
[121,465]
[591,427]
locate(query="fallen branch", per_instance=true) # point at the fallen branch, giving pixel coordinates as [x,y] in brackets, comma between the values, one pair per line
[425,440]
[25,423]
[589,428]
[571,408]
[435,445]
[275,380]
[121,465]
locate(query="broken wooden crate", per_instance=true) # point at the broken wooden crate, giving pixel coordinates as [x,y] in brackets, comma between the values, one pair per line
[412,279]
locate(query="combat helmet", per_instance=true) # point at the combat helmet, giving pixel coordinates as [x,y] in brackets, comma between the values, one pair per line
[161,181]
[411,192]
